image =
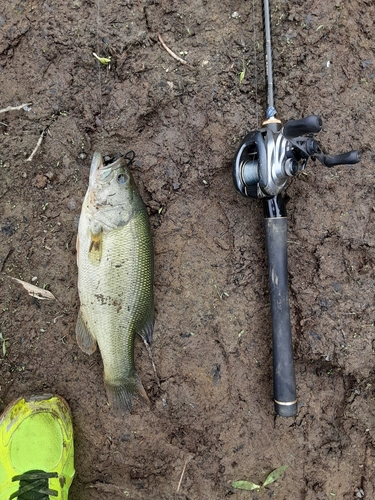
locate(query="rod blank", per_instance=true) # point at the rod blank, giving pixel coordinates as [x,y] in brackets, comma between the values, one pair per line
[268,53]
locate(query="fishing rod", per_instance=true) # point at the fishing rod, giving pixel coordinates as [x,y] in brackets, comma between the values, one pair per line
[265,161]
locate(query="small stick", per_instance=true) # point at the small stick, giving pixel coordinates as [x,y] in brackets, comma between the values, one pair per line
[148,347]
[175,56]
[183,472]
[15,108]
[37,144]
[57,317]
[10,251]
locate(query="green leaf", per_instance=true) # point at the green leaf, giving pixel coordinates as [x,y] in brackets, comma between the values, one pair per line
[275,475]
[245,485]
[102,60]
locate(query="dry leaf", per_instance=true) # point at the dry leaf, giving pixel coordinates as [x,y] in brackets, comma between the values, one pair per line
[34,291]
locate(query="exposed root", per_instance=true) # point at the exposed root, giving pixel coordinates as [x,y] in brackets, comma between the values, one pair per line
[175,56]
[15,108]
[37,144]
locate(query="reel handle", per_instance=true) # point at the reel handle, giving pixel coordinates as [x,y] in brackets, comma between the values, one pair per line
[310,125]
[344,159]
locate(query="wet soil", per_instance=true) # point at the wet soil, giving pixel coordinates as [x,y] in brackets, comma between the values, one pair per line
[211,421]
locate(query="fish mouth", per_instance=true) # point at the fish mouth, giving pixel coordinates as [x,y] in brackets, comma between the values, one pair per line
[99,167]
[96,164]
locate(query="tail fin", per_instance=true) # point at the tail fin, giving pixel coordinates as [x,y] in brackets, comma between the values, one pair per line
[120,393]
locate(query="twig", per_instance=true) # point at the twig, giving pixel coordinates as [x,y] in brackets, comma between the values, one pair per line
[15,108]
[10,251]
[190,457]
[175,56]
[37,144]
[57,317]
[148,347]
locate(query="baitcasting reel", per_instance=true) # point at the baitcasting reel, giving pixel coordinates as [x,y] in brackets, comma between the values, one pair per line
[269,156]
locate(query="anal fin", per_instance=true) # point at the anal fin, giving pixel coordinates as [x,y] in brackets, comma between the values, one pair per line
[85,339]
[146,329]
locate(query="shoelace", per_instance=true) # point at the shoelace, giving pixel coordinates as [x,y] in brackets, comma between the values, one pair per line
[34,485]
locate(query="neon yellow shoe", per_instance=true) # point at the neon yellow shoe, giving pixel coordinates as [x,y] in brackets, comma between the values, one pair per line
[36,449]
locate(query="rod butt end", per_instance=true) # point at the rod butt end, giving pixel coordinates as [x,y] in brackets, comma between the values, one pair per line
[288,409]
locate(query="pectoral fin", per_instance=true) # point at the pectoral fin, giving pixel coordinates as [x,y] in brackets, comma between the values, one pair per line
[85,339]
[96,247]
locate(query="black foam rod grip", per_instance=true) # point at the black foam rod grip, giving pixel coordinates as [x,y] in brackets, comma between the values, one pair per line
[310,125]
[344,159]
[284,384]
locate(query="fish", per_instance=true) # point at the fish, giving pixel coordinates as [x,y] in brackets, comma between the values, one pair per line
[115,262]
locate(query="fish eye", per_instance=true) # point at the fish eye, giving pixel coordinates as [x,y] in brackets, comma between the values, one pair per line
[121,178]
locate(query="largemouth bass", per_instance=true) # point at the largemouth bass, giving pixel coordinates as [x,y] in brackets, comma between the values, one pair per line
[115,276]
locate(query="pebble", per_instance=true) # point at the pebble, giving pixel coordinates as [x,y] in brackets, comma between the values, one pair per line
[40,181]
[72,204]
[76,221]
[51,176]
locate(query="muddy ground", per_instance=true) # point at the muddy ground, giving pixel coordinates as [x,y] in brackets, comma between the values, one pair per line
[212,420]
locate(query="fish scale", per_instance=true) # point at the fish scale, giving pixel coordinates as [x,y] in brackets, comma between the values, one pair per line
[115,278]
